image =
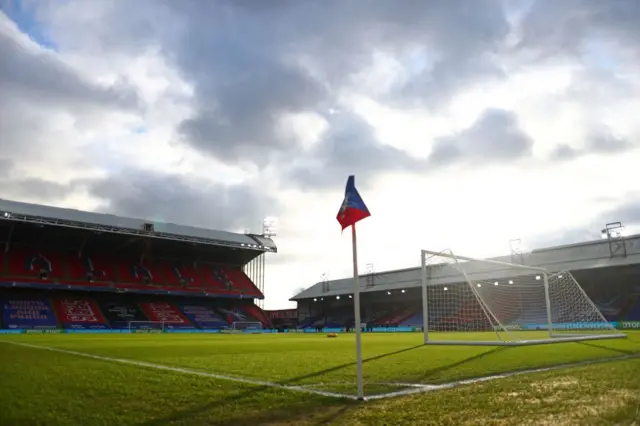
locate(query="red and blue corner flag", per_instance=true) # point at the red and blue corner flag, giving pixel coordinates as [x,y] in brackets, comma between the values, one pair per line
[353,208]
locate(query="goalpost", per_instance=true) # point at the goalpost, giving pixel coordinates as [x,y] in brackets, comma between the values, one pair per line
[146,326]
[469,301]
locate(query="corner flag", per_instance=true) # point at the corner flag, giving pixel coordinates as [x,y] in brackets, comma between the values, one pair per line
[352,211]
[353,208]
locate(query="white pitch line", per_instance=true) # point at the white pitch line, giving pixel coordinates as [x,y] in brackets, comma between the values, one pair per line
[420,388]
[189,371]
[415,387]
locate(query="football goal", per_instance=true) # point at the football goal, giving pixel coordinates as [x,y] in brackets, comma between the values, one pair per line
[469,301]
[246,327]
[146,326]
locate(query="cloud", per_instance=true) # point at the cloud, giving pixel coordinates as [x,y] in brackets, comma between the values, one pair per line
[599,142]
[37,190]
[628,212]
[569,27]
[348,147]
[183,200]
[494,136]
[43,102]
[250,64]
[35,74]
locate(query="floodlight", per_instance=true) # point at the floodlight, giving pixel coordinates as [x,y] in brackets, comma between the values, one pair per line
[269,227]
[538,277]
[388,292]
[350,297]
[496,283]
[446,288]
[479,285]
[315,300]
[402,291]
[338,297]
[510,281]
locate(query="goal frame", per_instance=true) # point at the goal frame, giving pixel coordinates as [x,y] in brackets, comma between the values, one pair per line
[162,323]
[552,338]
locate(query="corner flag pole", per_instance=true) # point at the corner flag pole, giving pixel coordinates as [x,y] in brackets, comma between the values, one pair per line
[356,313]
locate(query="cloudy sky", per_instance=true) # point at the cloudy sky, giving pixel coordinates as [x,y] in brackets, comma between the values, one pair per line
[467,123]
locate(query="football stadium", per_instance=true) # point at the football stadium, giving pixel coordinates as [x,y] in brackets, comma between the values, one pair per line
[114,320]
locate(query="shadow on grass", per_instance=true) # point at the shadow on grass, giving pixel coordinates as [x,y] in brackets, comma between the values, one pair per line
[617,350]
[326,410]
[448,367]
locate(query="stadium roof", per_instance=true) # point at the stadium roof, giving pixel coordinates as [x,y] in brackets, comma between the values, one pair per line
[71,218]
[580,256]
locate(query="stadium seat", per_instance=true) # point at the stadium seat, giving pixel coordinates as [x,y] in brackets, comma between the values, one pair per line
[173,275]
[101,268]
[76,268]
[242,282]
[206,271]
[80,313]
[257,313]
[131,271]
[202,315]
[29,264]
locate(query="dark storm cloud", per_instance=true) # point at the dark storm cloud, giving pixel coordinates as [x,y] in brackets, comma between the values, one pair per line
[349,147]
[177,199]
[495,136]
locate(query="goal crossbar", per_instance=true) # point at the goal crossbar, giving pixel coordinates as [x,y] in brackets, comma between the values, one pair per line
[519,306]
[449,254]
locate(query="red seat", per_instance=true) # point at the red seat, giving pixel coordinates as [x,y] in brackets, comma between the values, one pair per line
[103,269]
[210,281]
[242,282]
[30,263]
[76,268]
[170,277]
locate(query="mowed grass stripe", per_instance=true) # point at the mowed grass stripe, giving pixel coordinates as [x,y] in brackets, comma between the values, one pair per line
[59,389]
[179,370]
[303,359]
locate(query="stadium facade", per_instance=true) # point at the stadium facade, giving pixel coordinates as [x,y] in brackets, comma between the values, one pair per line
[64,269]
[608,270]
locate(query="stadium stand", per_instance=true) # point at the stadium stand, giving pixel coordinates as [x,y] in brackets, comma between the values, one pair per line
[76,270]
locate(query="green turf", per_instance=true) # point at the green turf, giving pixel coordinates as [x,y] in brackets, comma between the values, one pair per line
[49,388]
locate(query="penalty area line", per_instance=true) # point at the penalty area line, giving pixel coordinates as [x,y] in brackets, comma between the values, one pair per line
[423,388]
[188,371]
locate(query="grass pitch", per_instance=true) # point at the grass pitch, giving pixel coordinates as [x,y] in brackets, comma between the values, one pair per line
[40,387]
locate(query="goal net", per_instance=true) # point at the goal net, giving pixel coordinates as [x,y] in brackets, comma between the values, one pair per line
[146,326]
[469,301]
[246,327]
